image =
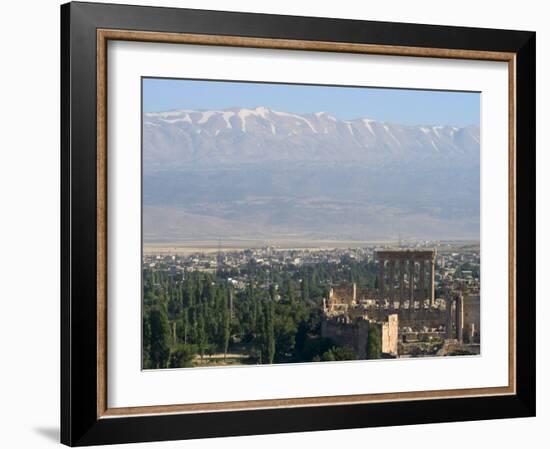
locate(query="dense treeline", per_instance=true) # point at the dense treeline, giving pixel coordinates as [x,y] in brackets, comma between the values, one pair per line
[183,318]
[191,317]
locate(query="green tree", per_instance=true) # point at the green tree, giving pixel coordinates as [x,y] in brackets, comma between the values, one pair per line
[304,289]
[202,338]
[344,353]
[285,328]
[188,295]
[270,334]
[146,342]
[315,347]
[288,292]
[300,339]
[338,353]
[226,320]
[182,356]
[160,337]
[374,342]
[183,328]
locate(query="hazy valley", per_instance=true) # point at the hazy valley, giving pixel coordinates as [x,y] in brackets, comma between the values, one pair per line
[261,174]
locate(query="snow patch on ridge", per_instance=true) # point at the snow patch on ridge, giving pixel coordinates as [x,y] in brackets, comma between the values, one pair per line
[206,116]
[176,120]
[387,128]
[166,114]
[243,113]
[367,122]
[262,111]
[299,117]
[226,116]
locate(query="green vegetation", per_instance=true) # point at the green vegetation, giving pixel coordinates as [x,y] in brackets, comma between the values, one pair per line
[336,353]
[193,318]
[182,356]
[374,342]
[461,352]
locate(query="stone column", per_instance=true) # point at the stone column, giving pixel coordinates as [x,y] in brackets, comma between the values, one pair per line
[459,318]
[411,283]
[432,282]
[391,280]
[422,289]
[449,305]
[401,282]
[381,277]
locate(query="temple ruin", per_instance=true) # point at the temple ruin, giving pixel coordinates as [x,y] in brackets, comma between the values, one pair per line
[406,275]
[404,304]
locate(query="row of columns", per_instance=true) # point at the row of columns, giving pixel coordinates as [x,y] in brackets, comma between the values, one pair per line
[408,261]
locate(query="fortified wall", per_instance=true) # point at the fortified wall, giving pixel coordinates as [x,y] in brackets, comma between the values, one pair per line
[345,332]
[355,333]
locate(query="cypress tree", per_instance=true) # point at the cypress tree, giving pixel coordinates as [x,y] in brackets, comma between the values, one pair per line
[374,342]
[226,330]
[160,337]
[270,334]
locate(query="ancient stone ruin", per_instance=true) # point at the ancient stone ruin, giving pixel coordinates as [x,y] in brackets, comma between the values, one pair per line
[404,305]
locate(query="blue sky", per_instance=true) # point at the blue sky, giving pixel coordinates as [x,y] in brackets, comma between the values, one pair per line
[391,105]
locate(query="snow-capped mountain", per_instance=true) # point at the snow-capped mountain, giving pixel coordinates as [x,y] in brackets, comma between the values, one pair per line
[264,174]
[235,136]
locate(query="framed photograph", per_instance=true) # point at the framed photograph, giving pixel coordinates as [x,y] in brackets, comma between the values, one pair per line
[282,224]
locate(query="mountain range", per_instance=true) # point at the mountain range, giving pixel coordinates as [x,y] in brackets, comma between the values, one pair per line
[235,136]
[263,174]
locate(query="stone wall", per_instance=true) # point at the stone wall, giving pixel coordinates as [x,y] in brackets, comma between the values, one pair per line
[354,333]
[390,335]
[347,305]
[345,332]
[471,316]
[345,294]
[416,319]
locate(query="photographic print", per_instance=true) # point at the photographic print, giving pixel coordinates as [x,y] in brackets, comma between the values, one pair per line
[246,205]
[289,223]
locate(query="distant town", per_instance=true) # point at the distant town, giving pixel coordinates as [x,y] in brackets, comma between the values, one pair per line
[227,306]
